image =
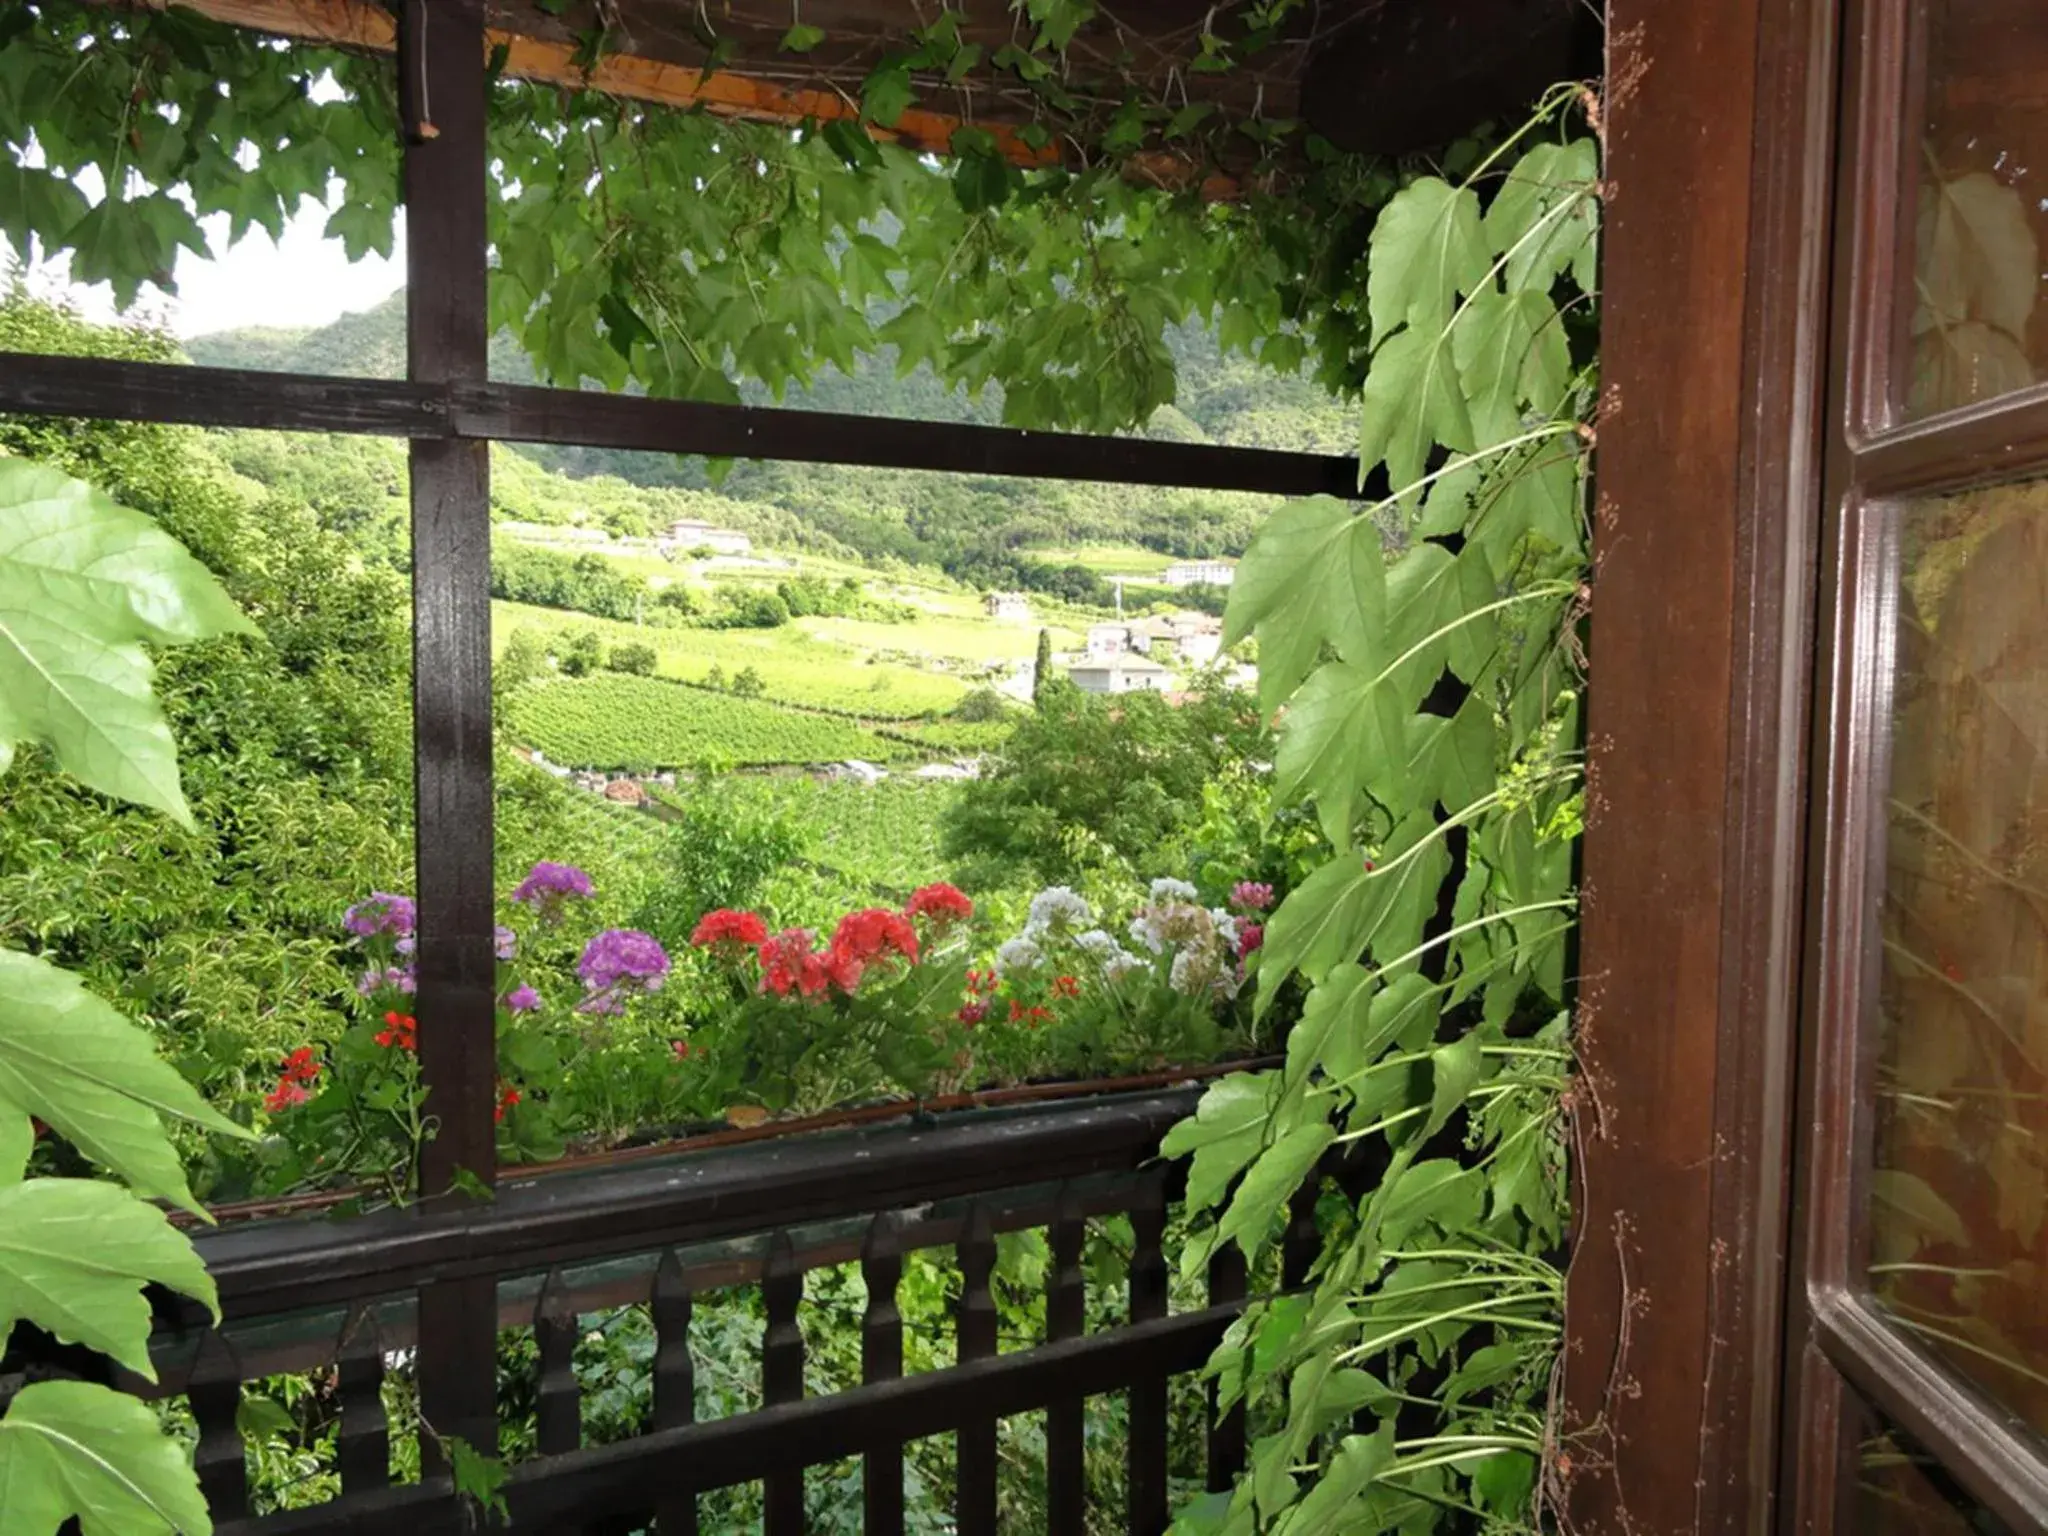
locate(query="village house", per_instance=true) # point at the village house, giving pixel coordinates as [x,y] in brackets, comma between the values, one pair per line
[1121,674]
[1199,573]
[686,535]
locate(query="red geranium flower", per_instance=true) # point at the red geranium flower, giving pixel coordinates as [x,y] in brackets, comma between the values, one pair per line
[302,1066]
[940,902]
[788,963]
[725,926]
[401,1030]
[1066,986]
[972,1014]
[874,931]
[284,1096]
[506,1100]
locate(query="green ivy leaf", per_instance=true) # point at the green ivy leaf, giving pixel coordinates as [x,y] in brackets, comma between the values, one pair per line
[1059,20]
[887,93]
[1255,1208]
[1318,571]
[1546,218]
[802,38]
[73,1448]
[83,583]
[74,1256]
[1428,246]
[1411,402]
[70,1060]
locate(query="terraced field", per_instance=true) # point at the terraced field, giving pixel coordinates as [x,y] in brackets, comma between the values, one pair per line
[613,721]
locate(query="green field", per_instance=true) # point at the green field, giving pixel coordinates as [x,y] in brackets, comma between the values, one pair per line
[972,641]
[612,721]
[795,667]
[1109,559]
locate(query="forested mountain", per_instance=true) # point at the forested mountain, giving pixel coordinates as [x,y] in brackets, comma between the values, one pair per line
[980,529]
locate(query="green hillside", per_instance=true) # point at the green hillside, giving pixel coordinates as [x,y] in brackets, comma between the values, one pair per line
[984,531]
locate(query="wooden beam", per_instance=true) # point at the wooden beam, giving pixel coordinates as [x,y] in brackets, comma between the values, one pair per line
[364,25]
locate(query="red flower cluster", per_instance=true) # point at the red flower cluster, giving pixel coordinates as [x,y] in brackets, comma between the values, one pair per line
[788,963]
[401,1030]
[296,1074]
[980,984]
[1031,1017]
[940,902]
[1250,936]
[1065,986]
[725,926]
[507,1097]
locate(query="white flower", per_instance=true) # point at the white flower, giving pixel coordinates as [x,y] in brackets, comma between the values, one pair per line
[1097,944]
[1120,965]
[1143,931]
[1056,909]
[1226,927]
[1166,889]
[1018,955]
[1193,971]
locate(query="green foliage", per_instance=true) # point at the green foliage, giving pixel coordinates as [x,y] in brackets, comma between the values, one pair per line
[582,653]
[1125,772]
[1042,674]
[1425,692]
[639,660]
[614,721]
[583,583]
[90,579]
[83,584]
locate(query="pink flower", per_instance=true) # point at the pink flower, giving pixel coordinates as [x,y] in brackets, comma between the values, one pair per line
[1251,896]
[1250,937]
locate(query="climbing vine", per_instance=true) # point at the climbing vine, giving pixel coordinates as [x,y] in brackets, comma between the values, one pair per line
[694,255]
[1429,693]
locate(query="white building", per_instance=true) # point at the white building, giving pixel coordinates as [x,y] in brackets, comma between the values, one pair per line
[1199,573]
[1121,674]
[686,535]
[1011,607]
[1197,637]
[1106,640]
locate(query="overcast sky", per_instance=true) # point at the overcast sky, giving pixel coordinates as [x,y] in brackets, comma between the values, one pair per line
[300,280]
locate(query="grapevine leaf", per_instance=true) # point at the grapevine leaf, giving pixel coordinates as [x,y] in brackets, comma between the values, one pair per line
[83,583]
[887,93]
[36,202]
[1224,1134]
[1454,1073]
[1410,402]
[74,1256]
[802,38]
[1340,729]
[1432,599]
[1436,1193]
[1255,1208]
[1332,1505]
[1451,759]
[74,1448]
[1511,352]
[1428,247]
[1552,186]
[72,1061]
[1316,571]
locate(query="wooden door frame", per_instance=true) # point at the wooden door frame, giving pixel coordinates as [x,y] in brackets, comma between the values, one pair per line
[1720,152]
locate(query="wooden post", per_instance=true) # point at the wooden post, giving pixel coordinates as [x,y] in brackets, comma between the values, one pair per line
[442,94]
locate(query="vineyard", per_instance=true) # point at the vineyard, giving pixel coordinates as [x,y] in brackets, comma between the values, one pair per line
[613,721]
[793,666]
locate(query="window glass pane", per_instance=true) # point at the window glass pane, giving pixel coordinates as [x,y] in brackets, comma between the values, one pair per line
[1977,165]
[1902,1491]
[1959,1246]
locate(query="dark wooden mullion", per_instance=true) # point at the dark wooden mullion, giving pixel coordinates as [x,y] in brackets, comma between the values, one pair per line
[1996,1458]
[675,1381]
[472,409]
[975,1511]
[881,1359]
[1145,1445]
[216,1398]
[1066,1317]
[782,1381]
[2002,439]
[441,53]
[559,1405]
[1228,1282]
[362,1446]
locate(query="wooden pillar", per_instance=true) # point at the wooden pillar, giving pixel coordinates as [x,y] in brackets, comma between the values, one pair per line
[1718,116]
[442,92]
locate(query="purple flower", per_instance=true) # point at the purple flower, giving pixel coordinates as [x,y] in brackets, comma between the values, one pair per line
[1251,895]
[398,977]
[380,912]
[522,999]
[405,946]
[615,962]
[507,942]
[548,885]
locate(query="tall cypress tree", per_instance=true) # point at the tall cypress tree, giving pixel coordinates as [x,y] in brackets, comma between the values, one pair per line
[1042,671]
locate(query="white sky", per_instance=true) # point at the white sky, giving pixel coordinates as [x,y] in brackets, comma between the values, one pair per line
[301,280]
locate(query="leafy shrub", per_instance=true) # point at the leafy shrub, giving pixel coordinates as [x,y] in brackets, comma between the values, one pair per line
[981,707]
[582,653]
[639,660]
[747,684]
[586,583]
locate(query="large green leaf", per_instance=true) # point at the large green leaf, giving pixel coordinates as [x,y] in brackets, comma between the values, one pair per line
[1223,1133]
[1342,734]
[83,584]
[1255,1208]
[71,1060]
[1428,247]
[74,1256]
[1411,402]
[73,1448]
[1333,1504]
[1315,572]
[1546,216]
[1511,352]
